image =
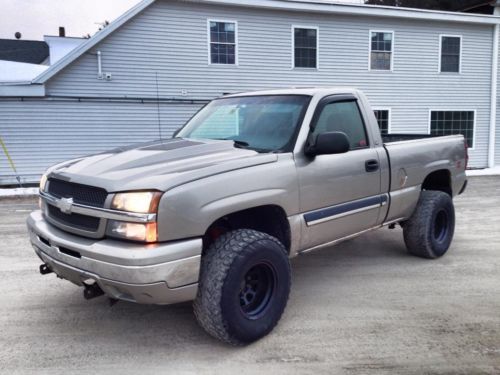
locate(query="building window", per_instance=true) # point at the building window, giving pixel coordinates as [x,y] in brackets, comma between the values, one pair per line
[453,122]
[381,50]
[450,53]
[222,42]
[305,47]
[383,119]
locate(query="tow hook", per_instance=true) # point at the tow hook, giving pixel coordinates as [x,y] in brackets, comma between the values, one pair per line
[44,269]
[92,291]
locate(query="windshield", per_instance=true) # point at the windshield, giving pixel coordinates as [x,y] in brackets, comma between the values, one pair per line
[262,123]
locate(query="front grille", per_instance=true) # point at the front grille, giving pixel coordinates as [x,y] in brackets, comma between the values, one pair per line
[82,222]
[82,194]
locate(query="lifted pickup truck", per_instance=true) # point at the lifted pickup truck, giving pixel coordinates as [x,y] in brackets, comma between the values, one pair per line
[214,214]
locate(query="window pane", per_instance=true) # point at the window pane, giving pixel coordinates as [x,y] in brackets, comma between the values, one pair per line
[451,45]
[222,43]
[381,51]
[222,53]
[305,42]
[343,117]
[453,122]
[450,63]
[222,32]
[450,54]
[305,38]
[383,120]
[381,42]
[380,61]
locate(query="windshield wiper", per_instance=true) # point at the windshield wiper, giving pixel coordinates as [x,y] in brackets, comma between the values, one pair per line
[244,145]
[237,142]
[241,144]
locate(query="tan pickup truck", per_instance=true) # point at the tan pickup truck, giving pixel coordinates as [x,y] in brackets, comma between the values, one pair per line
[214,214]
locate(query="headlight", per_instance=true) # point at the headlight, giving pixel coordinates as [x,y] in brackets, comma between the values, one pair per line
[43,182]
[144,232]
[142,202]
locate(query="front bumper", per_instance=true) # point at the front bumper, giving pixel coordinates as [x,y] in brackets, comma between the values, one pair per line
[162,273]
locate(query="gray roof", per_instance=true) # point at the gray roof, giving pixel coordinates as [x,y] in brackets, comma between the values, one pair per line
[26,51]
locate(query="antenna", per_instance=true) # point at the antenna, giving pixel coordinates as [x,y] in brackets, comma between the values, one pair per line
[158,105]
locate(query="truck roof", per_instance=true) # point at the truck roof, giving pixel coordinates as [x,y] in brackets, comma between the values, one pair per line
[310,91]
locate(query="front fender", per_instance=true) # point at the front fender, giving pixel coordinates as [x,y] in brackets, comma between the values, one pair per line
[188,211]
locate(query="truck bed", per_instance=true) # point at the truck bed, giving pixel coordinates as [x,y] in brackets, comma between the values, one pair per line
[389,138]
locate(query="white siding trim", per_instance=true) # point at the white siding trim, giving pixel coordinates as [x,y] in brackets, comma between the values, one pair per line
[388,109]
[370,50]
[471,148]
[361,10]
[493,98]
[293,45]
[441,36]
[236,54]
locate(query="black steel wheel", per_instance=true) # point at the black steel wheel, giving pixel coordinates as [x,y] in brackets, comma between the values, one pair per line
[256,291]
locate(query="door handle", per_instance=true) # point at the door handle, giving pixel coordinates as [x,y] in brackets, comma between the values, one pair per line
[371,165]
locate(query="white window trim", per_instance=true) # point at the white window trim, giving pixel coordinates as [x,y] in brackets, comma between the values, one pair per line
[236,52]
[441,36]
[388,109]
[471,147]
[370,50]
[293,46]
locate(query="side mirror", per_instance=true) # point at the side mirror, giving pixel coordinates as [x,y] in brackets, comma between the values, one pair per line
[328,143]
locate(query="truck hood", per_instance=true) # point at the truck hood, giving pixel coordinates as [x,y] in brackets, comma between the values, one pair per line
[159,165]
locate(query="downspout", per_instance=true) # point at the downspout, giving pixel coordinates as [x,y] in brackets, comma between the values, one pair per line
[99,65]
[494,89]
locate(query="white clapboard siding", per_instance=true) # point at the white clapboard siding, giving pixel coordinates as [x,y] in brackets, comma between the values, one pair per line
[168,40]
[497,130]
[42,133]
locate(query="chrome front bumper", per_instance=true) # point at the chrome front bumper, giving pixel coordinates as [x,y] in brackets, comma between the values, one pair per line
[161,273]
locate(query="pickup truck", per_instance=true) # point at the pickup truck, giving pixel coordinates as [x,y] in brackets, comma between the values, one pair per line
[215,213]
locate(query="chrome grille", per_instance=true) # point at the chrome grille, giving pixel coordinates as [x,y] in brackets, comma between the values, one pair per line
[82,222]
[82,194]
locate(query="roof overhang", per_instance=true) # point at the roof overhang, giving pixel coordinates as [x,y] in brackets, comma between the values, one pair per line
[331,7]
[22,89]
[304,6]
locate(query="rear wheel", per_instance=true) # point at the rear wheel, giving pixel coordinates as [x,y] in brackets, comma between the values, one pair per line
[244,286]
[429,231]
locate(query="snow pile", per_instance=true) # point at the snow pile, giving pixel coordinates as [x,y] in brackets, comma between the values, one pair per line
[495,171]
[19,192]
[19,72]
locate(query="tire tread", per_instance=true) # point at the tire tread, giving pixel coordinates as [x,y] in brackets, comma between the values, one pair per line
[416,230]
[215,265]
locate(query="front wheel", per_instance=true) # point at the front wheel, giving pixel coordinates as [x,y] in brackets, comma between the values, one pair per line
[244,286]
[429,231]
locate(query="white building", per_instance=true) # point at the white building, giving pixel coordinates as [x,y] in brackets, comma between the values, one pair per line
[150,70]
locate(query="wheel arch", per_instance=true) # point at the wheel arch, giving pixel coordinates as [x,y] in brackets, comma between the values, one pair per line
[269,218]
[439,180]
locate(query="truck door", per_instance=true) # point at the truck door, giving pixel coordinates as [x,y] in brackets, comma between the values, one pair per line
[340,194]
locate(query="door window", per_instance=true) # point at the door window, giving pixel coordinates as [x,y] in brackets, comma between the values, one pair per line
[343,117]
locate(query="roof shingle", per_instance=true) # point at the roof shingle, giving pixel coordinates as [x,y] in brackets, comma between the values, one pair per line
[27,51]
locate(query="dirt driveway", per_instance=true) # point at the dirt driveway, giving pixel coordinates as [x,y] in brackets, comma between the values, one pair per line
[363,307]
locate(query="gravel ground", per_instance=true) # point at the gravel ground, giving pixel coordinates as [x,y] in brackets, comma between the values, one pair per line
[363,307]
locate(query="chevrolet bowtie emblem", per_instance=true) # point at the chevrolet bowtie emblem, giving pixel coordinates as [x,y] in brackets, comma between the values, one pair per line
[65,205]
